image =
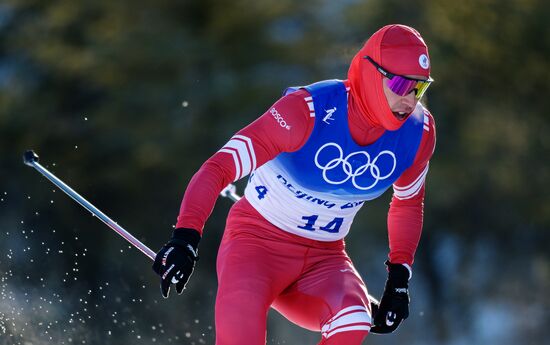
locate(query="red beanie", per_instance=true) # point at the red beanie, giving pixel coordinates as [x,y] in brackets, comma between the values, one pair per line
[400,50]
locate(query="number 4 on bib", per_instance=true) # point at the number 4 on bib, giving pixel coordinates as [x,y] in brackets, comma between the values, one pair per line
[262,191]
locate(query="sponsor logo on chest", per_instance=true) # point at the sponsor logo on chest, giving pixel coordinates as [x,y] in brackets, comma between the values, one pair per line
[279,118]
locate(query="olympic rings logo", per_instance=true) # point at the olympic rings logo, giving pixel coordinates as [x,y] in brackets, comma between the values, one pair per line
[347,168]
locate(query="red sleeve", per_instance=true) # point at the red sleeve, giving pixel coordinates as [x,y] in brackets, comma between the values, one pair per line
[406,212]
[285,127]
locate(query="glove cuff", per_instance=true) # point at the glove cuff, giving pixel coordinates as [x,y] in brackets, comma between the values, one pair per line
[409,268]
[186,237]
[398,274]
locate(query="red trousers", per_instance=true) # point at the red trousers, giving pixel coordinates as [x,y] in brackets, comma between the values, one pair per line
[311,283]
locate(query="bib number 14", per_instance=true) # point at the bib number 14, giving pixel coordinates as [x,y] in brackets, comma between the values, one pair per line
[333,226]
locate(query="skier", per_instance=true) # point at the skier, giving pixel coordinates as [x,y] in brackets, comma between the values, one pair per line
[314,158]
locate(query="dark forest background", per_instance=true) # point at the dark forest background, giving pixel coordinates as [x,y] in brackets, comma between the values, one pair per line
[124,100]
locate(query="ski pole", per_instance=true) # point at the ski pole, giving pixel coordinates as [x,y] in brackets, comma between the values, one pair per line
[30,158]
[230,192]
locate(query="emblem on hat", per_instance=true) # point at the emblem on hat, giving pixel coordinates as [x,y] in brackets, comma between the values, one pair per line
[424,61]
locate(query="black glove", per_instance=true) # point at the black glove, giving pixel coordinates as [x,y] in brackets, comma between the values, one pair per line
[175,261]
[394,305]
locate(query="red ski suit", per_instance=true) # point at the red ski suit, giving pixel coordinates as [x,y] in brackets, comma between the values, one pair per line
[312,283]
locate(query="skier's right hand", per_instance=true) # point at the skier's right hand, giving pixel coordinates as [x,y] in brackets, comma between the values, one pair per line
[175,261]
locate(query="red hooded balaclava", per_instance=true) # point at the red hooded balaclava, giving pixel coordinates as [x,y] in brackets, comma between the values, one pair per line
[400,50]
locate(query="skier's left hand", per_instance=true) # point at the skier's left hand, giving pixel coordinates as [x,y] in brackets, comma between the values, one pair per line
[394,305]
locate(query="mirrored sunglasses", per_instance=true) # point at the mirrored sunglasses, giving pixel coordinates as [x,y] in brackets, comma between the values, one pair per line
[401,85]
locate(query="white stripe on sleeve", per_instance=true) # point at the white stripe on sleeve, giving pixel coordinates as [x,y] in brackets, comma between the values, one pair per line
[251,152]
[236,160]
[412,189]
[426,122]
[240,147]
